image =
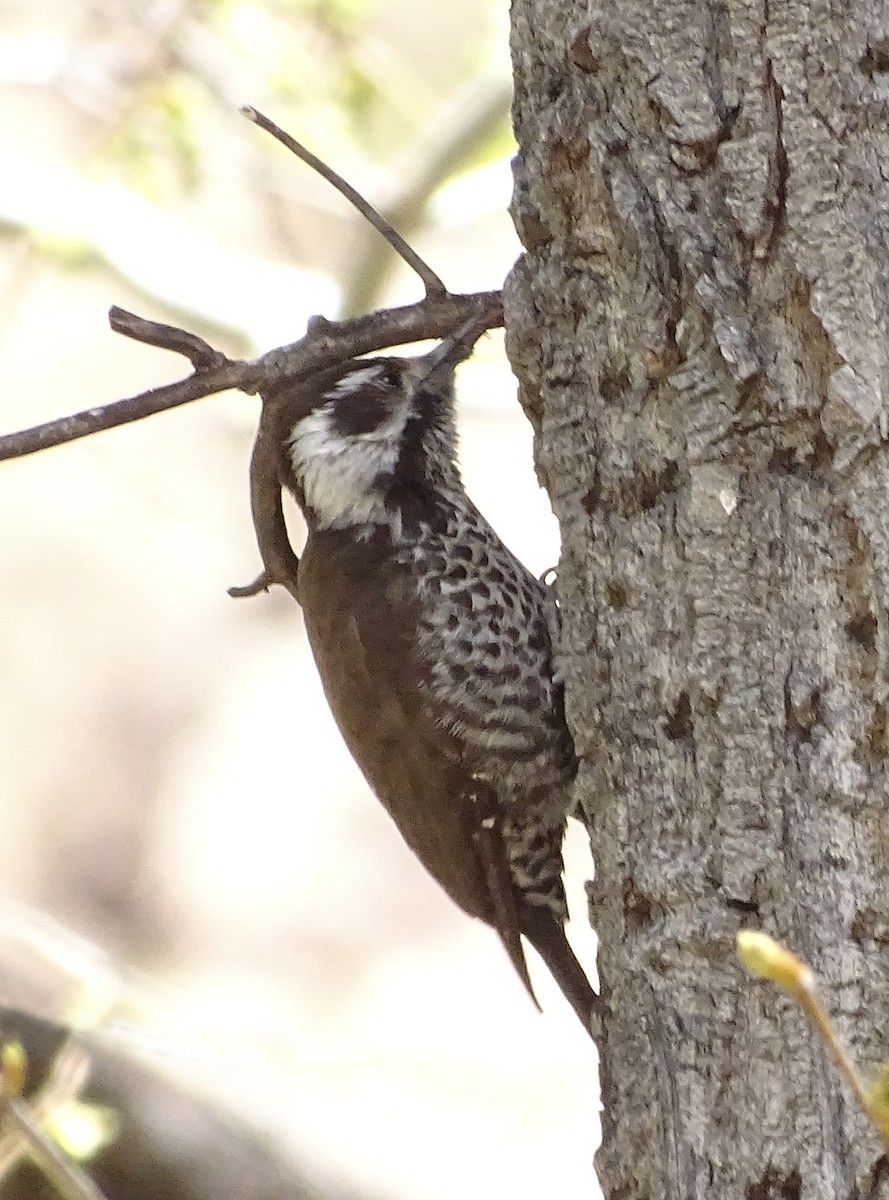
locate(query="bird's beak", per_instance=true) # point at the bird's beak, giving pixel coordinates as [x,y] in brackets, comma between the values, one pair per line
[450,352]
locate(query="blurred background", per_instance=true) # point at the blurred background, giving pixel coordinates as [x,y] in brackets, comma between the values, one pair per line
[172,787]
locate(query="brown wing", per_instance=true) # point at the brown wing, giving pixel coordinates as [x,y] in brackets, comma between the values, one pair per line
[361,627]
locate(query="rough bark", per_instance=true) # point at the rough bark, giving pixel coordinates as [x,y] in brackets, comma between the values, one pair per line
[698,327]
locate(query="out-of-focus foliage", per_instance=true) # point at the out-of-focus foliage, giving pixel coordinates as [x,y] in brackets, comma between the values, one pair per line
[152,91]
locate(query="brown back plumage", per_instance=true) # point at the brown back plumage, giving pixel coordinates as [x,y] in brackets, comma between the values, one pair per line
[434,648]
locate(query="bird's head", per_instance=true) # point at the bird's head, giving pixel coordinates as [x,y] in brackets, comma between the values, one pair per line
[367,439]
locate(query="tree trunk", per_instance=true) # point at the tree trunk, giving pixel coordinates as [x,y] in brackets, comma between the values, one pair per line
[698,326]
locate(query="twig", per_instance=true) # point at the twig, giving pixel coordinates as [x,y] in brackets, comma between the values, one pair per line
[168,337]
[23,1121]
[768,959]
[66,1176]
[326,343]
[431,282]
[459,319]
[119,412]
[279,562]
[445,146]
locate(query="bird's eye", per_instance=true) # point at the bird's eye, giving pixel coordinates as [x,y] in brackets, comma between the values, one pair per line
[390,375]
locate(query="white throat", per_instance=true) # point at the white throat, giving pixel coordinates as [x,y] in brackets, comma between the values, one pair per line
[340,475]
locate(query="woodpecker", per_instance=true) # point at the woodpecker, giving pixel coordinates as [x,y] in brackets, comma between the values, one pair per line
[434,645]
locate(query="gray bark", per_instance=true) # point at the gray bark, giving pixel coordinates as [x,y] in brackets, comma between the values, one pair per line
[698,328]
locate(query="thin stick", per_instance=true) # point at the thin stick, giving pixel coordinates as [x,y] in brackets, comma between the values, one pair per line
[25,1133]
[119,412]
[166,337]
[280,564]
[431,282]
[326,343]
[66,1176]
[817,1014]
[768,959]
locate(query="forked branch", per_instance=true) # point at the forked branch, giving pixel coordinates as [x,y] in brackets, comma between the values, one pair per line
[326,343]
[279,562]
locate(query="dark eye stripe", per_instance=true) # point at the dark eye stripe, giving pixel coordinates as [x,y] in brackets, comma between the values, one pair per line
[363,409]
[361,412]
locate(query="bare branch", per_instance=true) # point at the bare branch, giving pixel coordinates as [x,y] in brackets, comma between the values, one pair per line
[431,282]
[446,144]
[167,337]
[261,583]
[326,343]
[63,1172]
[280,563]
[119,412]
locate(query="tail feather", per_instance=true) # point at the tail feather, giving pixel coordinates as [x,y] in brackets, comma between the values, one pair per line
[547,935]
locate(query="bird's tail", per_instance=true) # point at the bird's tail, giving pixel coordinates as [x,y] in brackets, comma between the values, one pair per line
[547,935]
